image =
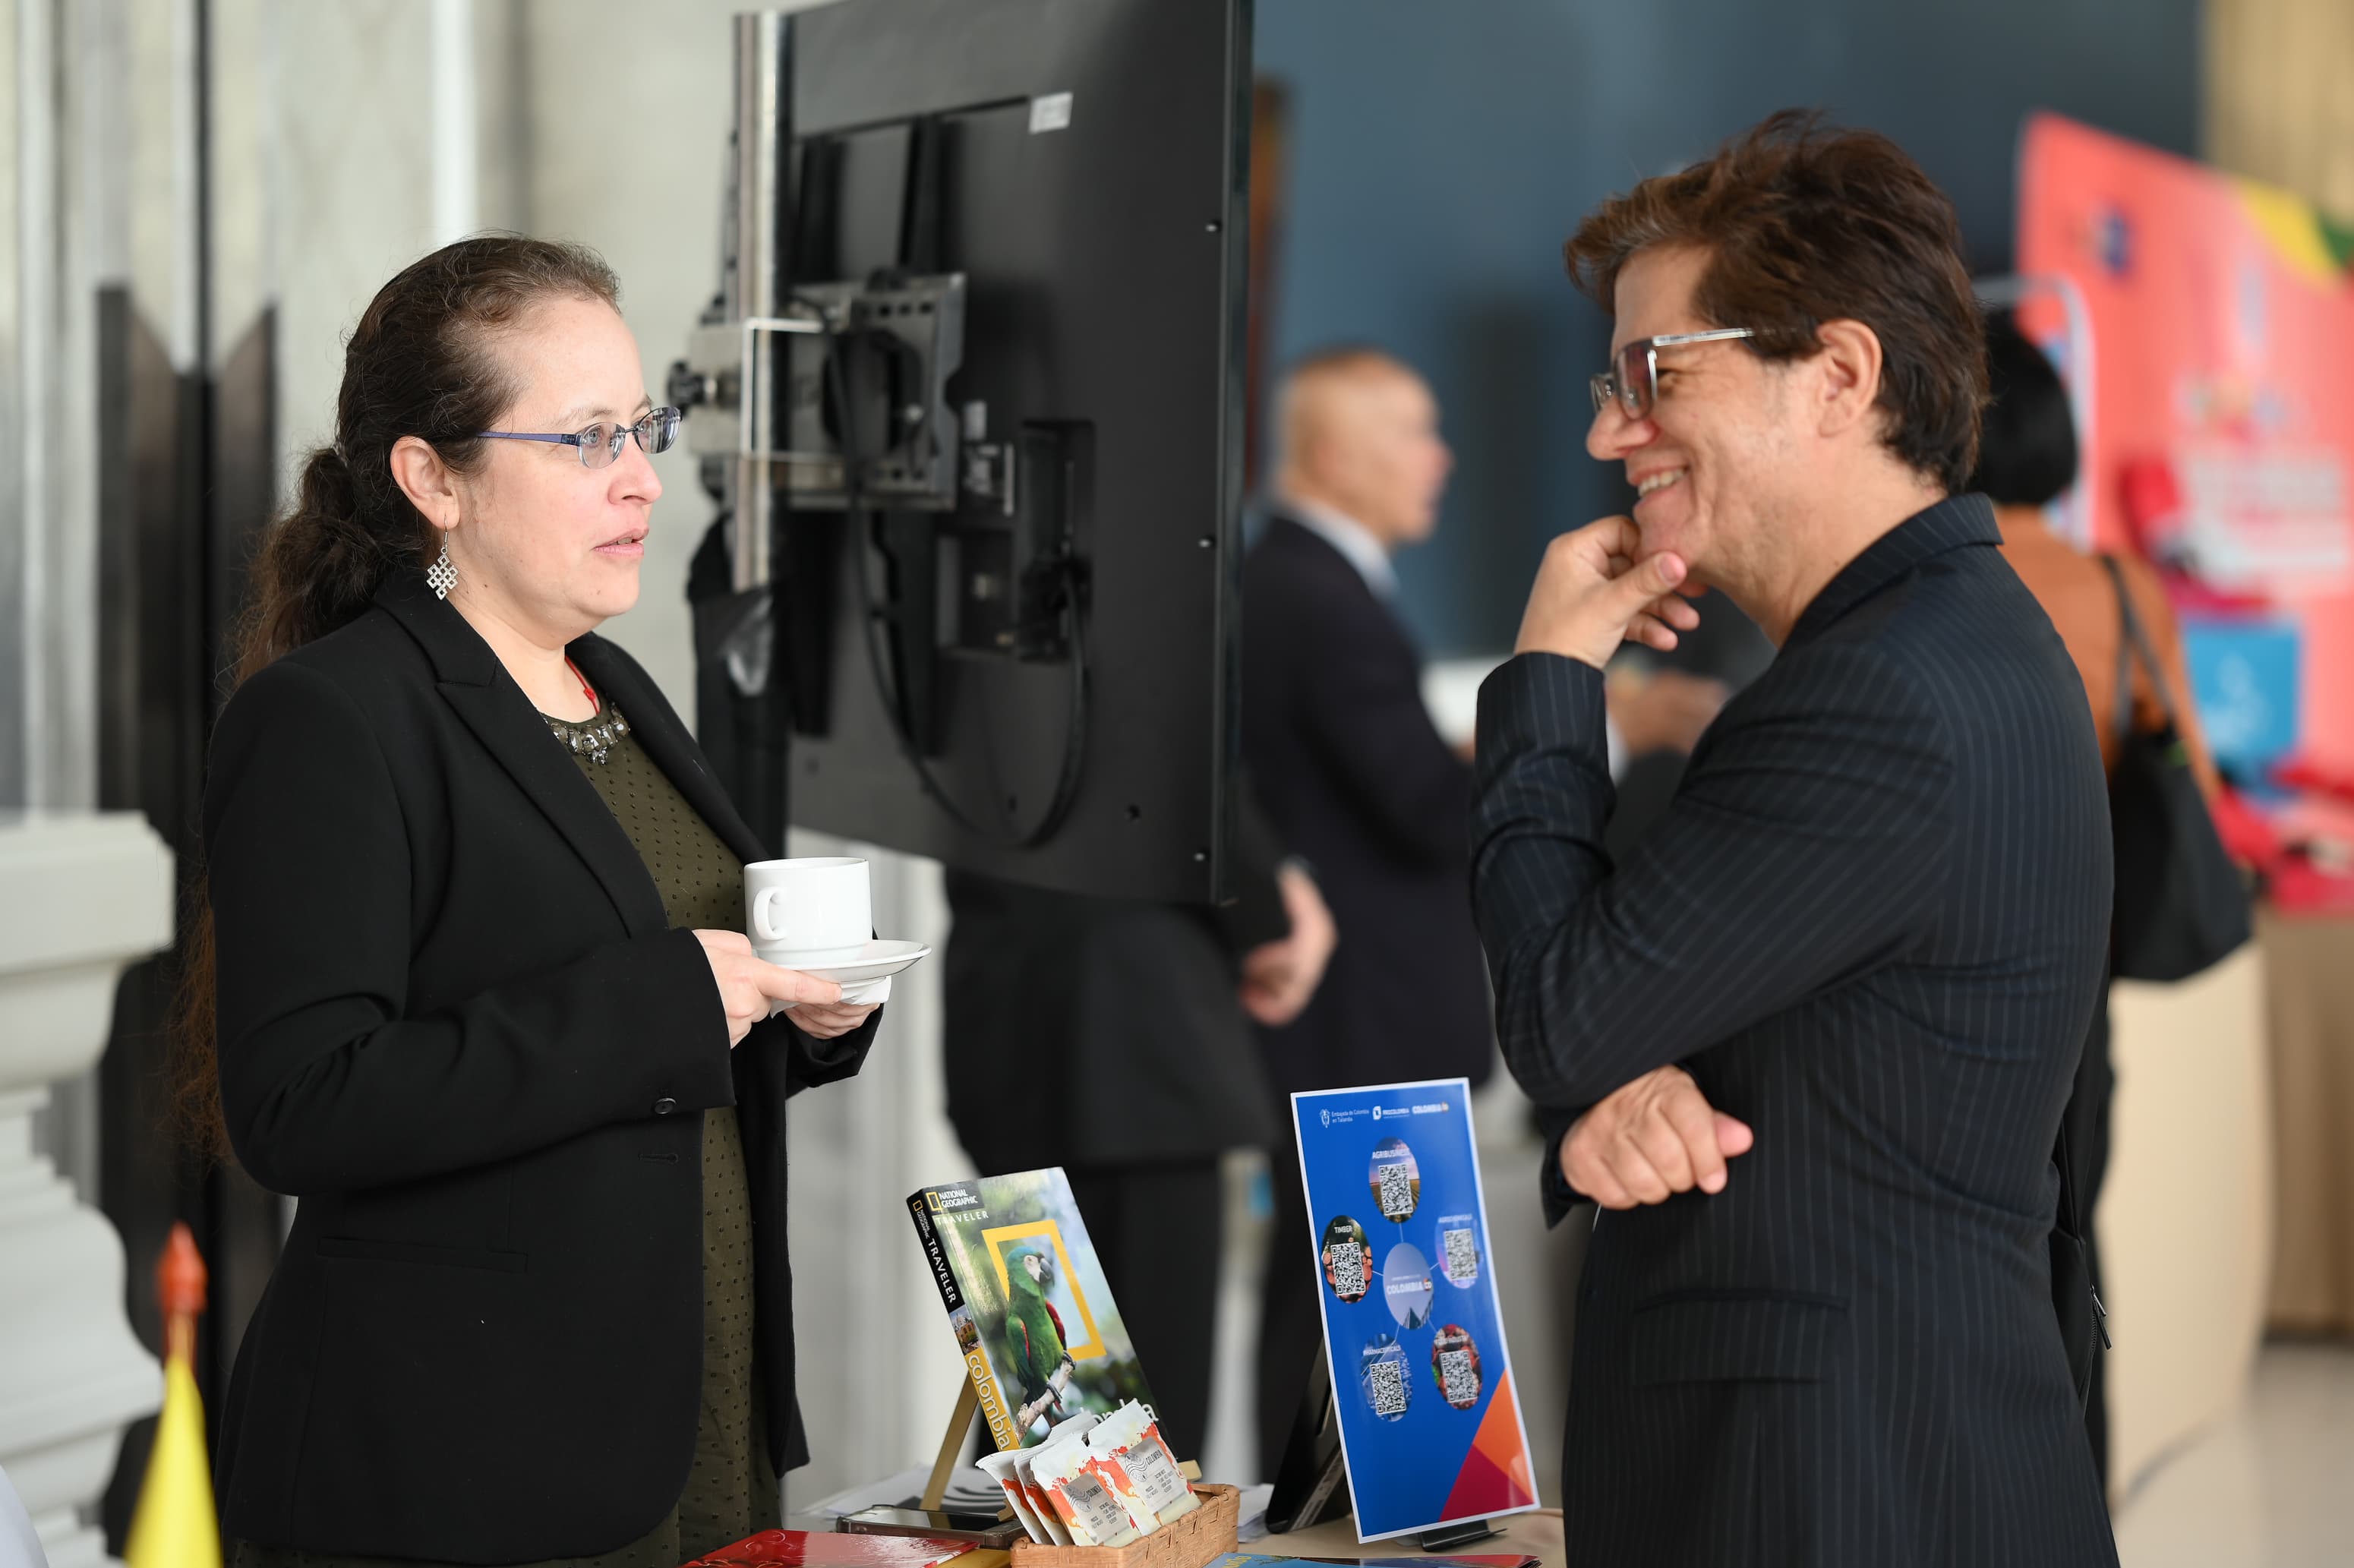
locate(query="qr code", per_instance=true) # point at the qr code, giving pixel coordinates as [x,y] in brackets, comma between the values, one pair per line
[1459,1379]
[1462,1257]
[1398,1191]
[1385,1383]
[1348,1264]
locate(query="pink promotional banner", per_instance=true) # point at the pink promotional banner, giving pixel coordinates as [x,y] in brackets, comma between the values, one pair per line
[2221,380]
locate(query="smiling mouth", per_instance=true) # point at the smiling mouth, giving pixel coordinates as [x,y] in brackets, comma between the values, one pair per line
[1654,482]
[625,540]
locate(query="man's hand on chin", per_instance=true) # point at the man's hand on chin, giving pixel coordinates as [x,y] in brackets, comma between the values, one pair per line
[1595,591]
[1650,1140]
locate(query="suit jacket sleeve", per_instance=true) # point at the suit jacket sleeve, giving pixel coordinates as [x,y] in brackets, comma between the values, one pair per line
[1802,847]
[327,1080]
[1559,1197]
[809,1061]
[1366,722]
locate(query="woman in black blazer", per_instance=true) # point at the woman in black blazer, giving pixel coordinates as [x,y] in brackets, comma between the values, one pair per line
[480,1004]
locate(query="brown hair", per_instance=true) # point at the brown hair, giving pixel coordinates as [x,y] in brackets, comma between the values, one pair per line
[422,363]
[1802,225]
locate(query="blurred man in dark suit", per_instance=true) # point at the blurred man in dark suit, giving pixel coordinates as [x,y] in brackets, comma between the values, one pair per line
[1356,781]
[1857,956]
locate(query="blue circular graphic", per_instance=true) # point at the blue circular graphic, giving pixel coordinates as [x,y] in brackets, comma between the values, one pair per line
[1406,1285]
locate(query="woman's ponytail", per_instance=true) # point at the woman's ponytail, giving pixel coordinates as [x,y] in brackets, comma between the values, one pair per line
[315,571]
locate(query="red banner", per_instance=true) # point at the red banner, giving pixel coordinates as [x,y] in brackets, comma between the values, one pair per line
[2219,369]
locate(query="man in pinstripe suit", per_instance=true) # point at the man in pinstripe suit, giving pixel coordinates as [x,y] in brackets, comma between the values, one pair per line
[1809,1046]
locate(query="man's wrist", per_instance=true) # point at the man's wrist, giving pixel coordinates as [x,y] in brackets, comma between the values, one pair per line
[1562,651]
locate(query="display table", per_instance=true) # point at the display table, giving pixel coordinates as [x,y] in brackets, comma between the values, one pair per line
[2311,992]
[1536,1533]
[2185,1217]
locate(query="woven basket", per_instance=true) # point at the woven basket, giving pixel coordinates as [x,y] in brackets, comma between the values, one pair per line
[1190,1542]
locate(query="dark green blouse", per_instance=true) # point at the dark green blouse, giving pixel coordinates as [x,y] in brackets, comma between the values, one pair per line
[731,1490]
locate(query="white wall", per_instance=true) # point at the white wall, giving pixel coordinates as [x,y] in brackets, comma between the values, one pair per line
[60,191]
[624,134]
[594,120]
[355,201]
[64,199]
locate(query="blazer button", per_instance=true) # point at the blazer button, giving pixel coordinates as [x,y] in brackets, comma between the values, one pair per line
[665,1105]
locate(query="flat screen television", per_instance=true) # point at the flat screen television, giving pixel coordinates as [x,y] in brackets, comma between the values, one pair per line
[973,390]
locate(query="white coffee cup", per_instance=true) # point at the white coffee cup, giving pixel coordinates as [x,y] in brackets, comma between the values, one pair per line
[808,912]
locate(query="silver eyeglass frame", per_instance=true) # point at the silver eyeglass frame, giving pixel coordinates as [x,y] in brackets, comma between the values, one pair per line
[655,431]
[1614,386]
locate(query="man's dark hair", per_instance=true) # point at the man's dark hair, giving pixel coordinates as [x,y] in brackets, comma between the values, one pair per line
[1805,225]
[2027,455]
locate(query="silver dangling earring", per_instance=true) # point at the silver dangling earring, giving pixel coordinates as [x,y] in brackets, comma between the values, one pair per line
[441,576]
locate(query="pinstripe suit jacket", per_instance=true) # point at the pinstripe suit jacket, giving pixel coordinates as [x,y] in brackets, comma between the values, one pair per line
[1871,926]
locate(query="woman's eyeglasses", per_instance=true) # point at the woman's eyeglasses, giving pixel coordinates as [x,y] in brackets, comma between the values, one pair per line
[600,443]
[1635,382]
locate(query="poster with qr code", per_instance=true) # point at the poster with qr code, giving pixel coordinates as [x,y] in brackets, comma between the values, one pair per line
[1430,1423]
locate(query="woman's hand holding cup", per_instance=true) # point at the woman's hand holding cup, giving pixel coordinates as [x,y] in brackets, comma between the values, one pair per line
[822,1022]
[750,986]
[815,910]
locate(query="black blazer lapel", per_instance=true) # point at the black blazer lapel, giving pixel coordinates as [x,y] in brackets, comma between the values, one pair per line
[477,686]
[659,729]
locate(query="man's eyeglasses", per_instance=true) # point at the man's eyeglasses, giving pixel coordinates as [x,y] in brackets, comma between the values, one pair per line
[600,443]
[1636,379]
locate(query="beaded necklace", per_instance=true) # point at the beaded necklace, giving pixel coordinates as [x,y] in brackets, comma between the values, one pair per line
[595,738]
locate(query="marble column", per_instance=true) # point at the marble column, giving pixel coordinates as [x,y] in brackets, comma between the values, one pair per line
[82,896]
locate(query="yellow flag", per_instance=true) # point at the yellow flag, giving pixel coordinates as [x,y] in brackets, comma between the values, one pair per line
[175,1526]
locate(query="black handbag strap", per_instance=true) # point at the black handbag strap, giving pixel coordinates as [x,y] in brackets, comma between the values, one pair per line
[2132,644]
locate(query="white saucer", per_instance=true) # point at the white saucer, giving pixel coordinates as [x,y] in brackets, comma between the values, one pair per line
[864,977]
[870,962]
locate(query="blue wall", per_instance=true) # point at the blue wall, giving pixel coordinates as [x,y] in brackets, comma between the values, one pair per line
[1440,150]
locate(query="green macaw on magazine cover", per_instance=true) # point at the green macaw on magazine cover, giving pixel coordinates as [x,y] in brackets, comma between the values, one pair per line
[1035,1346]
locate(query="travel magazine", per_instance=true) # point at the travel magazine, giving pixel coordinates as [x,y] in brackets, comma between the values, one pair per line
[1026,1297]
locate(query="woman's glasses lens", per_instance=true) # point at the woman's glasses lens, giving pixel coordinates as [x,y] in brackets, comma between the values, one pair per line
[657,433]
